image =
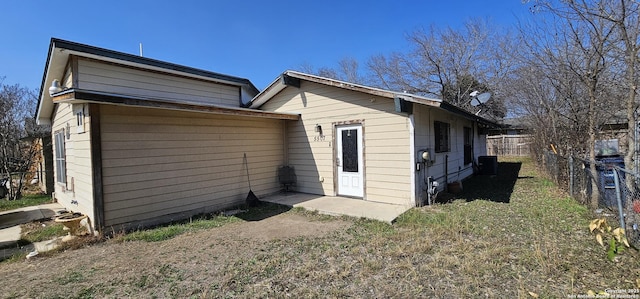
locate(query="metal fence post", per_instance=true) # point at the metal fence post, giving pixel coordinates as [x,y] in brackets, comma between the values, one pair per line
[616,180]
[571,175]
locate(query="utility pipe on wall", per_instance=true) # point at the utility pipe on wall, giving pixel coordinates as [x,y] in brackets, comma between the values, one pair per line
[446,169]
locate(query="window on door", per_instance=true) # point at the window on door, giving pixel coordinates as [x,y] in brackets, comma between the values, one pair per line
[350,150]
[468,149]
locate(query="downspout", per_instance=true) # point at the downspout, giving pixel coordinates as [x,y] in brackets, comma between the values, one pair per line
[446,169]
[96,167]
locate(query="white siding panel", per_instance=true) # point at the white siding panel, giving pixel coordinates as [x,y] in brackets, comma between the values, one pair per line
[479,144]
[158,163]
[111,78]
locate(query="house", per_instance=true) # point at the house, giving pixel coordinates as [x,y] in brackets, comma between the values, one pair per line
[612,135]
[511,126]
[369,143]
[139,141]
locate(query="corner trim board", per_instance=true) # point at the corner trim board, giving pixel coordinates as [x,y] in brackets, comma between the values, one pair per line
[96,166]
[412,161]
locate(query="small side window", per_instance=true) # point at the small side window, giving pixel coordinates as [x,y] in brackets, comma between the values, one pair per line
[61,163]
[441,131]
[79,112]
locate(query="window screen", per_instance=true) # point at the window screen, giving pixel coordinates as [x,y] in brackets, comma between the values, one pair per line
[441,131]
[61,164]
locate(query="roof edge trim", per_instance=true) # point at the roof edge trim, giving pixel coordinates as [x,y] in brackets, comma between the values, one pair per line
[83,48]
[79,95]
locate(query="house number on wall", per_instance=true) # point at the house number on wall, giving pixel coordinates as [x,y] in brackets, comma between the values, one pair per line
[319,138]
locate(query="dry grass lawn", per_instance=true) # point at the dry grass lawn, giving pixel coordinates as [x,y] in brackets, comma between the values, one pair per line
[510,236]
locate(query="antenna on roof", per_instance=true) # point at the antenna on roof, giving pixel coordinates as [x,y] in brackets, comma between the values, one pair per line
[141,50]
[479,99]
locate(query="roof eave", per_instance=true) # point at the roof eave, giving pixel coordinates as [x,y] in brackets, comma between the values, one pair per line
[88,96]
[60,49]
[269,92]
[459,111]
[148,62]
[280,83]
[41,119]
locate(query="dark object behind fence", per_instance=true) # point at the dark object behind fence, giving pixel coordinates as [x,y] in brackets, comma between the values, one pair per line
[573,174]
[605,168]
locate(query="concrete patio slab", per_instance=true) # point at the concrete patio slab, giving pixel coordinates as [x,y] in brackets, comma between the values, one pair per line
[10,235]
[338,206]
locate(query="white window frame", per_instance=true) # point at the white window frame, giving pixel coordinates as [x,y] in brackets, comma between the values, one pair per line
[60,157]
[78,110]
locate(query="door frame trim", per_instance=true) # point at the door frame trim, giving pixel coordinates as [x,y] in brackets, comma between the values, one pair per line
[334,142]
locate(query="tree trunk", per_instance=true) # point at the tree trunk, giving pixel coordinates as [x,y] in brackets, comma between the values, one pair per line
[629,157]
[595,194]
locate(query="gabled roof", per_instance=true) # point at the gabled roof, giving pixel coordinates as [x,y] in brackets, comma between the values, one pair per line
[59,51]
[292,79]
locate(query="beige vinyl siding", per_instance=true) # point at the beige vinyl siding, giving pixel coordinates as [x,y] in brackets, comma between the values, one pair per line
[111,78]
[386,140]
[67,79]
[161,165]
[77,195]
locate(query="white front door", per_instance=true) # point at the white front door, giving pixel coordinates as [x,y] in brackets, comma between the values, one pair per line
[349,161]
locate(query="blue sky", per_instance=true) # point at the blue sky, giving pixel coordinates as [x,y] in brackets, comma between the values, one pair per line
[257,40]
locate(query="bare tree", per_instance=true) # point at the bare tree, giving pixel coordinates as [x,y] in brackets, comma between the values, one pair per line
[348,70]
[580,56]
[16,111]
[448,63]
[605,35]
[624,15]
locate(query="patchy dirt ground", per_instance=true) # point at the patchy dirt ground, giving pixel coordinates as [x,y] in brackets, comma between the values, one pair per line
[510,236]
[121,269]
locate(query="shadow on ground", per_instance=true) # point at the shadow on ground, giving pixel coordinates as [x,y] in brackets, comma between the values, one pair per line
[496,188]
[263,211]
[9,219]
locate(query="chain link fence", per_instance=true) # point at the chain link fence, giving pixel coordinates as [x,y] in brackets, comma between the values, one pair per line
[615,187]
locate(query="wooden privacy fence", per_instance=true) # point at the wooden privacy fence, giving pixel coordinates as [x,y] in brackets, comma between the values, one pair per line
[508,145]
